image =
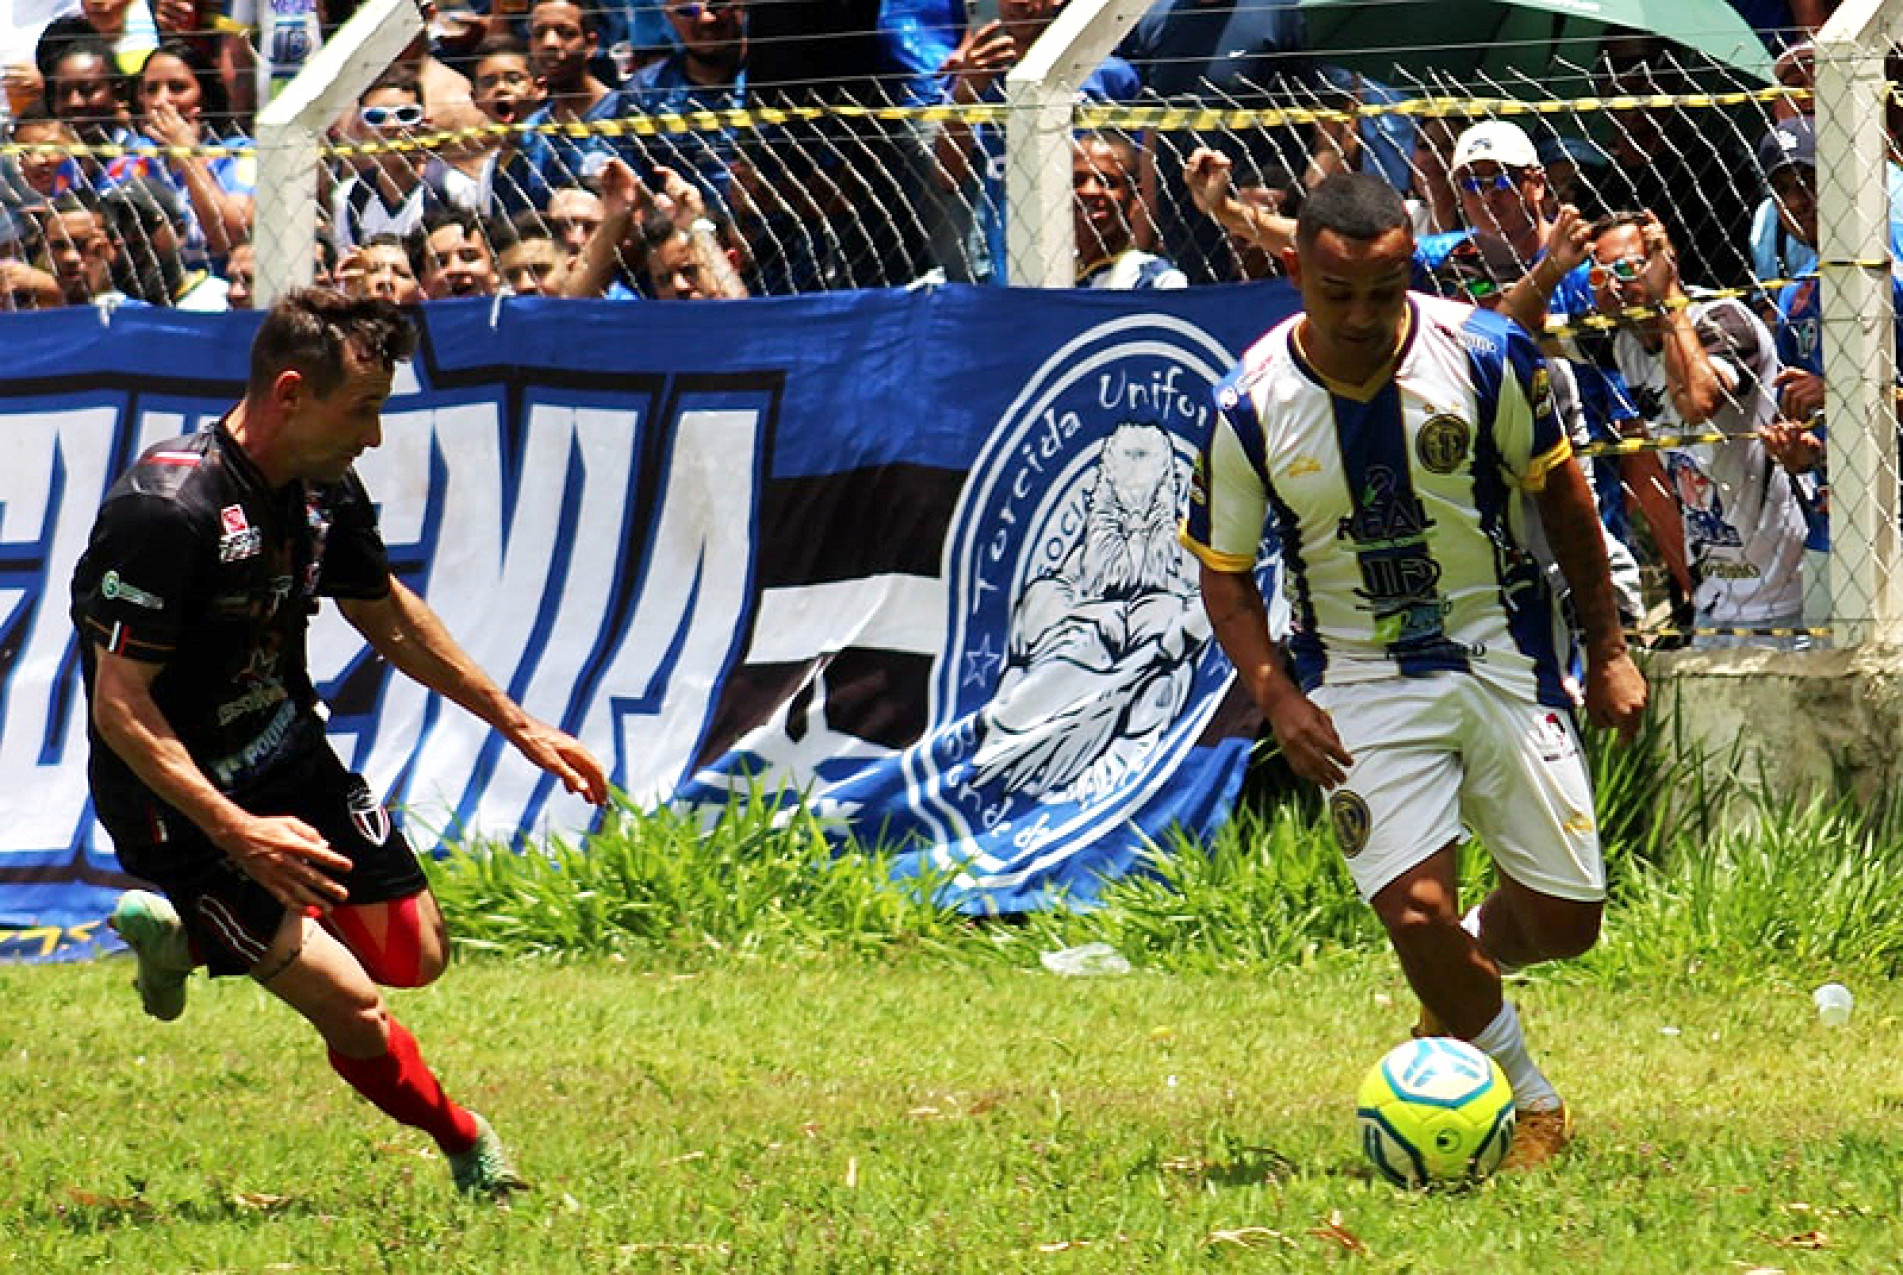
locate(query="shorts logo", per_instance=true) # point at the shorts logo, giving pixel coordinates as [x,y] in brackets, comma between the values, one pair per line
[1552,738]
[370,816]
[1352,821]
[1442,443]
[241,540]
[113,588]
[1079,668]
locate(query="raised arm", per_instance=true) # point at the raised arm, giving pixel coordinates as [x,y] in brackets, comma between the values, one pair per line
[406,632]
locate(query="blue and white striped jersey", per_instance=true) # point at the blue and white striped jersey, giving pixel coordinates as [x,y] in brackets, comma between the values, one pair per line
[1400,505]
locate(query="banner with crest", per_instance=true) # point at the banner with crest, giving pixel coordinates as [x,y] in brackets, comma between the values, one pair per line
[909,557]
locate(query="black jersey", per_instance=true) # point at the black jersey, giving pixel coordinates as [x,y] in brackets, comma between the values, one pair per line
[195,563]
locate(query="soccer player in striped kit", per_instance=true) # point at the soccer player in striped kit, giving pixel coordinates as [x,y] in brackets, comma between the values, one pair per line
[1401,445]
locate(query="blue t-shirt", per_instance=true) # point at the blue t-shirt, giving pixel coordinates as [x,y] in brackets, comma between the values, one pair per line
[664,88]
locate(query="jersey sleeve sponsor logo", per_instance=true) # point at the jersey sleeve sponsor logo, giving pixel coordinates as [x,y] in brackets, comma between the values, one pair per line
[232,519]
[114,589]
[1443,443]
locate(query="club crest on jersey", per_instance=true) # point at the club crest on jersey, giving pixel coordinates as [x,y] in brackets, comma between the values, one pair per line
[1542,393]
[1079,666]
[1443,443]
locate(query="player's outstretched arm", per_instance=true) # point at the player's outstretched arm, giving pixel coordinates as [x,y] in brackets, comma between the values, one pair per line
[404,630]
[1615,689]
[283,854]
[1241,623]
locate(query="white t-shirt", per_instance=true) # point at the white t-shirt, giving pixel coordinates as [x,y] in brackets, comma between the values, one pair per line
[1744,529]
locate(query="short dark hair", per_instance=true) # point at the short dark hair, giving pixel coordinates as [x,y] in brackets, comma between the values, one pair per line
[310,328]
[1613,221]
[400,77]
[501,44]
[1354,206]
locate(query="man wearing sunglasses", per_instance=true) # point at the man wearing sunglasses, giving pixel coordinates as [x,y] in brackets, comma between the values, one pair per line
[707,72]
[1697,365]
[1479,272]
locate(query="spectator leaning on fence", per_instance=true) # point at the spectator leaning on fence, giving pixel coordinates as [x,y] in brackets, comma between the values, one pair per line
[380,269]
[151,220]
[706,72]
[82,252]
[454,257]
[1788,159]
[1707,365]
[503,182]
[1106,210]
[1480,271]
[970,158]
[562,42]
[1797,438]
[386,195]
[180,103]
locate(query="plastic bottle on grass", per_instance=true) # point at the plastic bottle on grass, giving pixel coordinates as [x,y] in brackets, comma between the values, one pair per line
[1086,960]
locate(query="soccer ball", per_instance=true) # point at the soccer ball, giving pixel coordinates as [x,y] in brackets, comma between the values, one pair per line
[1435,1110]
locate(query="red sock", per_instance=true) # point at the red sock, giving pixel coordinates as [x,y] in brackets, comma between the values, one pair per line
[406,1090]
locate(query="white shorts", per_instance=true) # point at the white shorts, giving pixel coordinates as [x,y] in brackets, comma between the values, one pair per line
[1432,753]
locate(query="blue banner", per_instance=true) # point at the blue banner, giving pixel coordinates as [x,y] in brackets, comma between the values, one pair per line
[908,556]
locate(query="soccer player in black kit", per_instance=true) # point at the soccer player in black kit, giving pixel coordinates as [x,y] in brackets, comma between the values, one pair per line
[210,768]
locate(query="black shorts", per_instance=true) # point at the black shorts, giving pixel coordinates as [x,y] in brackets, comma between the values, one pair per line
[232,918]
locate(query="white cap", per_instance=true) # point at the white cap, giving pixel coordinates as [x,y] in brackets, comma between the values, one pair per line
[1505,143]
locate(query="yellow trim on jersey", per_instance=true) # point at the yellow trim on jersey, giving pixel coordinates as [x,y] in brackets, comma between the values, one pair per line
[1540,466]
[1228,563]
[1365,391]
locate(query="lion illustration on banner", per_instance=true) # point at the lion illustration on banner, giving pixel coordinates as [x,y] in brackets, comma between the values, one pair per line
[1101,651]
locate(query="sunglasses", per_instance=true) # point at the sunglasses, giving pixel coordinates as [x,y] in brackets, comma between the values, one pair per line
[409,115]
[692,11]
[1623,269]
[1474,185]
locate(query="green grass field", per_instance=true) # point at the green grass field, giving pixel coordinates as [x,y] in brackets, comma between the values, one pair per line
[734,1050]
[927,1116]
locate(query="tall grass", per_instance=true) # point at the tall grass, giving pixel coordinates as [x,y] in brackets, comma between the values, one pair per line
[1702,874]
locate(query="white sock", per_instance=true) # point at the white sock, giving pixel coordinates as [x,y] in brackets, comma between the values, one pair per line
[1504,1043]
[1471,924]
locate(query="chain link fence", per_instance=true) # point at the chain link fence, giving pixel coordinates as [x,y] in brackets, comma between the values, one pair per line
[506,169]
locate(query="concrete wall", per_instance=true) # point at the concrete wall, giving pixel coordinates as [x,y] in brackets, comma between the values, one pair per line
[1793,723]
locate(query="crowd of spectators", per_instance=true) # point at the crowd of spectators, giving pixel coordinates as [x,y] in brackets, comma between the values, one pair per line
[130,181]
[766,208]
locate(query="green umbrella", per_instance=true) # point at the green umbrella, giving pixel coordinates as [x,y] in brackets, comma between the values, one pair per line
[1505,39]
